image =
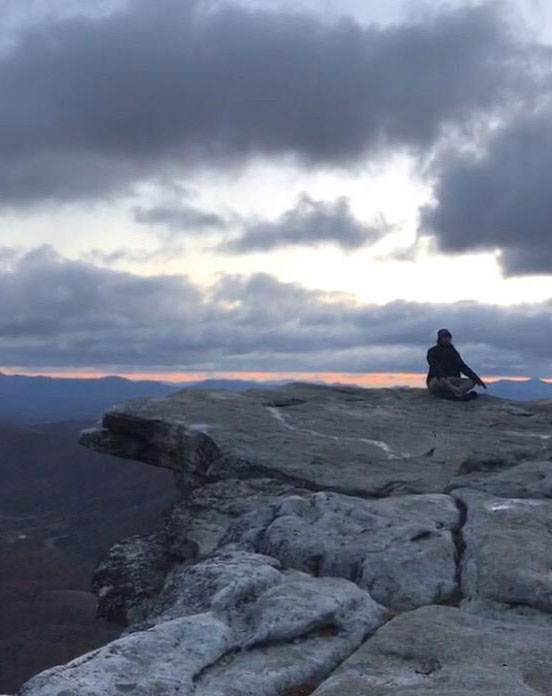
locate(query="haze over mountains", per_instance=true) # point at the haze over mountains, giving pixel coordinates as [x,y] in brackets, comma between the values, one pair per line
[31,400]
[522,391]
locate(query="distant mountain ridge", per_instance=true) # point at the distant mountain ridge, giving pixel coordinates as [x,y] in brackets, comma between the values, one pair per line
[522,391]
[30,400]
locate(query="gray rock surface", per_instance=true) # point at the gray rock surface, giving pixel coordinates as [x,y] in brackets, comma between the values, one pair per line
[442,650]
[232,624]
[400,549]
[130,576]
[164,660]
[532,479]
[508,554]
[309,516]
[367,442]
[199,521]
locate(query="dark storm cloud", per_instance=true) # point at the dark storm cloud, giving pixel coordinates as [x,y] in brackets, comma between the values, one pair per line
[90,106]
[57,312]
[500,200]
[309,223]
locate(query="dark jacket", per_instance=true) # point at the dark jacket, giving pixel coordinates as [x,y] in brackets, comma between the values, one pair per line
[445,361]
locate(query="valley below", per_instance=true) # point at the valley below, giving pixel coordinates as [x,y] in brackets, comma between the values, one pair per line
[61,508]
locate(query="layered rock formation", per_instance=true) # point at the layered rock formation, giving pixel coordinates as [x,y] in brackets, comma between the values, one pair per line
[329,541]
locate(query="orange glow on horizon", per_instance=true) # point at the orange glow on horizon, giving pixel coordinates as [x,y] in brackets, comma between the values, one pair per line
[367,379]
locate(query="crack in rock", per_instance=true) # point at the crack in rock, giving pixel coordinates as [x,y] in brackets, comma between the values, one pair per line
[460,546]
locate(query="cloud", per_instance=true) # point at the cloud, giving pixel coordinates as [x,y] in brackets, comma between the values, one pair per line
[62,313]
[309,223]
[164,252]
[179,218]
[500,200]
[93,105]
[7,256]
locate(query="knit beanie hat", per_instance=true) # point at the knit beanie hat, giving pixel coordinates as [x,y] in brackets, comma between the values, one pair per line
[443,332]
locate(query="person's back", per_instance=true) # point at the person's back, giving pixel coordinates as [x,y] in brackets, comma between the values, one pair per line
[445,369]
[444,361]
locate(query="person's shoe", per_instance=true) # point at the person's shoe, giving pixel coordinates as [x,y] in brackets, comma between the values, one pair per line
[469,396]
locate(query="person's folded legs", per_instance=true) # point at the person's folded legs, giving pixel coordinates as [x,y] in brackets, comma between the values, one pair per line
[463,384]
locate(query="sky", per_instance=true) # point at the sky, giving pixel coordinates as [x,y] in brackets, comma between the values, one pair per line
[266,188]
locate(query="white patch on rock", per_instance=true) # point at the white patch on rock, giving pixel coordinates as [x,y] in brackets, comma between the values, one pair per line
[541,436]
[375,443]
[201,427]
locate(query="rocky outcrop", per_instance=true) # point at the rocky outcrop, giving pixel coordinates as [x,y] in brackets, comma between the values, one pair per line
[329,541]
[399,549]
[443,650]
[233,623]
[508,557]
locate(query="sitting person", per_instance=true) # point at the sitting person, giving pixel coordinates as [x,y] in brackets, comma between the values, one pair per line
[445,368]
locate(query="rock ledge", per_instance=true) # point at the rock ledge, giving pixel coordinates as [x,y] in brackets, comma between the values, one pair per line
[329,541]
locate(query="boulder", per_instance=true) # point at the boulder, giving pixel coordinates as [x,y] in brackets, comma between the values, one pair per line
[444,651]
[400,549]
[130,576]
[163,660]
[197,523]
[508,550]
[232,624]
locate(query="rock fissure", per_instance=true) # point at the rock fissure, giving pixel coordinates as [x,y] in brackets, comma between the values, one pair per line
[460,546]
[204,671]
[224,662]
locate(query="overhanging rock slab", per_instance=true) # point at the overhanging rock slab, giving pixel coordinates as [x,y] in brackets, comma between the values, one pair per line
[367,442]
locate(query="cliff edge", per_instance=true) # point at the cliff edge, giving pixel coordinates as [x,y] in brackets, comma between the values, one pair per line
[329,541]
